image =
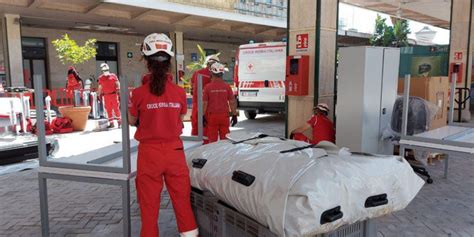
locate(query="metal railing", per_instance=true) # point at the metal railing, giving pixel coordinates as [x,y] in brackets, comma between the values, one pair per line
[276,9]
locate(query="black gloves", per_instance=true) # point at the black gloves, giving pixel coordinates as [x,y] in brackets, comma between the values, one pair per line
[204,121]
[234,120]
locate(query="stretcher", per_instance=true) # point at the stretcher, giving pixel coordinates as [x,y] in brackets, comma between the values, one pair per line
[304,191]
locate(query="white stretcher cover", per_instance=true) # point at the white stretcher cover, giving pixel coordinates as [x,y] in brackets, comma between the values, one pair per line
[292,192]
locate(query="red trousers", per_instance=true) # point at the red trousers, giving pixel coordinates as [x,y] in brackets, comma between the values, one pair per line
[217,126]
[111,104]
[301,137]
[194,124]
[158,163]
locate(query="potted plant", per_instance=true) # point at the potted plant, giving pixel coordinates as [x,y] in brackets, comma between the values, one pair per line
[194,66]
[69,52]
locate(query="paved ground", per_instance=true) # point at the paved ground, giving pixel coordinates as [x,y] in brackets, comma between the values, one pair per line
[445,208]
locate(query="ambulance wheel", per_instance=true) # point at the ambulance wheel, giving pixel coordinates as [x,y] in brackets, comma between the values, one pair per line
[429,180]
[250,114]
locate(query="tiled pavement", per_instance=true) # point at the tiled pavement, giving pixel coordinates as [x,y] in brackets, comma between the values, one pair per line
[445,208]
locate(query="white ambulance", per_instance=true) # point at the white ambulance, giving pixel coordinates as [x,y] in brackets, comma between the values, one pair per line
[260,78]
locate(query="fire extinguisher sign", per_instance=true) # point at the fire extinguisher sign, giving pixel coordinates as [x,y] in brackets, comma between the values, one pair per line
[302,42]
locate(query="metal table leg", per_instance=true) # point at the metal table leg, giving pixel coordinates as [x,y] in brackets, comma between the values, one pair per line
[126,208]
[446,161]
[43,205]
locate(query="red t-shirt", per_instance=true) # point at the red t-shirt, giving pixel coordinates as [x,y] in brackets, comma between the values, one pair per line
[147,78]
[72,83]
[108,83]
[323,129]
[159,115]
[206,79]
[217,94]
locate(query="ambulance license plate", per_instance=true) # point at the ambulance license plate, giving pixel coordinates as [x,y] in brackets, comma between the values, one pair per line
[249,93]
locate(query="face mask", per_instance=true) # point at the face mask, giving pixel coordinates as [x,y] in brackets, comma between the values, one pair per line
[106,73]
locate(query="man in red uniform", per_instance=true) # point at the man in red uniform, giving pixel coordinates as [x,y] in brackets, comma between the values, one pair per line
[217,99]
[206,78]
[323,128]
[109,88]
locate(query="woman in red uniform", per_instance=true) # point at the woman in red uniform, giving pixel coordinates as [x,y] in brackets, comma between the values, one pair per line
[161,105]
[74,82]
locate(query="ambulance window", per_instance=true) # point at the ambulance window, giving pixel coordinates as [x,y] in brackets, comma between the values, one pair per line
[294,66]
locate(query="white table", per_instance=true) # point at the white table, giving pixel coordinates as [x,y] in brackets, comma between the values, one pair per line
[451,140]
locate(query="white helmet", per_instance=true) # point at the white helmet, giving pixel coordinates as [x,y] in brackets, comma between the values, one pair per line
[217,68]
[323,107]
[155,43]
[104,67]
[212,59]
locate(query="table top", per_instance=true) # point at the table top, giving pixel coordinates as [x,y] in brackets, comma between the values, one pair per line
[85,158]
[450,133]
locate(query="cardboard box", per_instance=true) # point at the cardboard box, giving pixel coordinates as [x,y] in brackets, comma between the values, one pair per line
[434,90]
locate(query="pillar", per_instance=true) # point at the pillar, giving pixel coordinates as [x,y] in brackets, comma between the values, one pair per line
[318,20]
[460,50]
[178,63]
[12,49]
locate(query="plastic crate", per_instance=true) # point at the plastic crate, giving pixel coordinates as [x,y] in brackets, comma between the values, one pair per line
[358,229]
[217,219]
[204,206]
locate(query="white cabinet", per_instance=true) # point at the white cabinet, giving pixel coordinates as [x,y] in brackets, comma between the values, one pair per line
[366,93]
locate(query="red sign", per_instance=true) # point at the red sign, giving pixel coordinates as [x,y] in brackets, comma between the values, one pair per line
[457,55]
[302,41]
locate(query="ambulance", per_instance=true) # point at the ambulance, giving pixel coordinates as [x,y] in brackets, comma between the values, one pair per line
[259,75]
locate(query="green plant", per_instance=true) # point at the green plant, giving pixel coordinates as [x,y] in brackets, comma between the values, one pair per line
[70,53]
[388,36]
[197,65]
[401,29]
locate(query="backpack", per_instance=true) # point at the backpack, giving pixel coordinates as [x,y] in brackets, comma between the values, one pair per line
[62,125]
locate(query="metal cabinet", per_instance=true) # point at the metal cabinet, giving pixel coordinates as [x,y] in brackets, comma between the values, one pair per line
[367,90]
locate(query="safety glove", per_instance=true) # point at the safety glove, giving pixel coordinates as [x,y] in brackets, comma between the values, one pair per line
[233,120]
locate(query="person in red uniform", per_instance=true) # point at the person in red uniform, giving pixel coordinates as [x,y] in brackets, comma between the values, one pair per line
[109,88]
[323,128]
[74,81]
[206,79]
[160,105]
[217,99]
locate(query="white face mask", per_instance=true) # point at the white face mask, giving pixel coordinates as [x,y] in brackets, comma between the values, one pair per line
[106,73]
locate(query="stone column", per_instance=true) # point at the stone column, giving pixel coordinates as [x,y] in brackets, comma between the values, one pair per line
[12,49]
[460,45]
[317,19]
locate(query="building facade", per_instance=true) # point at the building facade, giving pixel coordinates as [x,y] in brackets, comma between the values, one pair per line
[29,27]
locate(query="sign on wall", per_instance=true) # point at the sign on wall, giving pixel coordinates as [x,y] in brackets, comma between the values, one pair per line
[458,56]
[302,42]
[129,55]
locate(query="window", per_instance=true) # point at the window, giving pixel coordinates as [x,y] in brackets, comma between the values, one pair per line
[106,51]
